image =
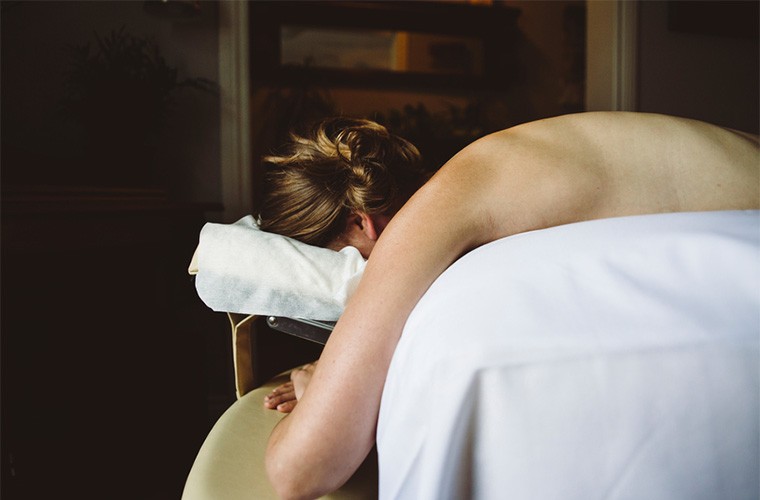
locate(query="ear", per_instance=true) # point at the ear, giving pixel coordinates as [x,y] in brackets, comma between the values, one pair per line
[366,224]
[361,232]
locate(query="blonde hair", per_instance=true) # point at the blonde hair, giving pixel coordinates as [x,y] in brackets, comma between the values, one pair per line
[344,165]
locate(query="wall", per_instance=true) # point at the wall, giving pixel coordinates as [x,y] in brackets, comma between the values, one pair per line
[553,54]
[116,384]
[41,147]
[708,77]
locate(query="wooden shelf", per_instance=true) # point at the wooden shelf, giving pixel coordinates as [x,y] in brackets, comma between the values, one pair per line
[494,25]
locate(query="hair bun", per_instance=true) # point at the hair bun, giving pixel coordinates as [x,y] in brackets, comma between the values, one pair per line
[345,165]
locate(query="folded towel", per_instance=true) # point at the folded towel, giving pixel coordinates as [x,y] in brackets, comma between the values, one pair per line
[240,268]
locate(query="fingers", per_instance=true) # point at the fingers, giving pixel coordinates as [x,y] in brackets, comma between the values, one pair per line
[281,389]
[287,406]
[282,396]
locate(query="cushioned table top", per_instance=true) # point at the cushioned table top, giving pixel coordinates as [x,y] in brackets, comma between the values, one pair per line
[230,464]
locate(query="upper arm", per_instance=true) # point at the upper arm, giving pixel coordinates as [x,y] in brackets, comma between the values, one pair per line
[331,430]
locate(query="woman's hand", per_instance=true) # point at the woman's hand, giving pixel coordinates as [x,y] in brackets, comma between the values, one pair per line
[284,397]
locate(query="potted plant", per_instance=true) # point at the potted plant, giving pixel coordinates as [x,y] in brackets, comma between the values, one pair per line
[119,91]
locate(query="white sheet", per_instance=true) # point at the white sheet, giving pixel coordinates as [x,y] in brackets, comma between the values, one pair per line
[606,359]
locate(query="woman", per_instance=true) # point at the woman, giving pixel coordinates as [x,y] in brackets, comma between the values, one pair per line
[337,187]
[537,175]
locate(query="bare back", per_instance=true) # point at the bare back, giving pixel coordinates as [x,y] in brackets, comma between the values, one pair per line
[596,165]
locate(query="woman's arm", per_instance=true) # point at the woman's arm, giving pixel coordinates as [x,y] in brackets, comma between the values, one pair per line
[320,444]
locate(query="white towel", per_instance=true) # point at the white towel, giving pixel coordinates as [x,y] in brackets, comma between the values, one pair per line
[241,269]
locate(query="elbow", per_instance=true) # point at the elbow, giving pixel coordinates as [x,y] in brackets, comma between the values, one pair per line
[282,471]
[287,490]
[302,465]
[283,482]
[289,481]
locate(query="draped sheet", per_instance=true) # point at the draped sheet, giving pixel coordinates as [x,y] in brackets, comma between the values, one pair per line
[604,359]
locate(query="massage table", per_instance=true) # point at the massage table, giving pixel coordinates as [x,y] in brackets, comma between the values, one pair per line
[604,359]
[307,329]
